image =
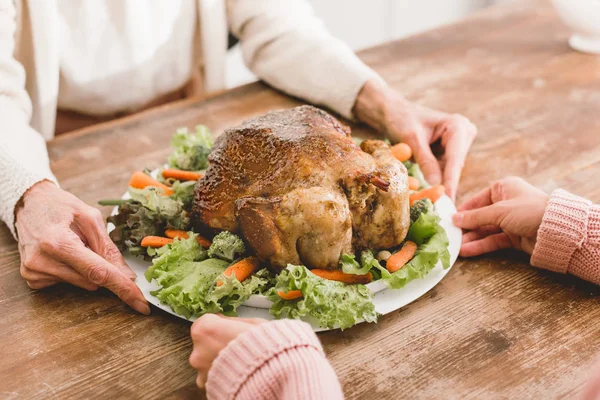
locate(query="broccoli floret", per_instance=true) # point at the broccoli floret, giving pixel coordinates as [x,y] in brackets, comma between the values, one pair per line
[191,150]
[226,246]
[420,207]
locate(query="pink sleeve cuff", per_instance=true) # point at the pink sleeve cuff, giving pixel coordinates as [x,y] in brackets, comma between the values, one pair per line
[562,232]
[245,355]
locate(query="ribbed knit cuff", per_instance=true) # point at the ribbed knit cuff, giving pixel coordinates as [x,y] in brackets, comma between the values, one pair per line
[562,232]
[18,177]
[248,352]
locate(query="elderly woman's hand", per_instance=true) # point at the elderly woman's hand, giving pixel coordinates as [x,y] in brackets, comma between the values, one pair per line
[212,333]
[506,214]
[61,239]
[419,127]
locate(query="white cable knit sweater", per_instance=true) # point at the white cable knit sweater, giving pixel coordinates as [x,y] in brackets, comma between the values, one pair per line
[282,41]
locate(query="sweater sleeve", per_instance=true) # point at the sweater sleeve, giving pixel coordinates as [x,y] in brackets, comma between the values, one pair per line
[569,237]
[275,360]
[287,46]
[23,154]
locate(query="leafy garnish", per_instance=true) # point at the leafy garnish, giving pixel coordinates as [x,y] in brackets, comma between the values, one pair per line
[333,304]
[191,150]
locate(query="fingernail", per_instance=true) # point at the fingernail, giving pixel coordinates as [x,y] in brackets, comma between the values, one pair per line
[457,218]
[142,307]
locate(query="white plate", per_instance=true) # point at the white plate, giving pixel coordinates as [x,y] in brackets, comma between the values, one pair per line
[386,300]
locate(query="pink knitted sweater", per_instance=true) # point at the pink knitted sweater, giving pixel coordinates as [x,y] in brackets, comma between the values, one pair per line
[284,359]
[569,237]
[275,360]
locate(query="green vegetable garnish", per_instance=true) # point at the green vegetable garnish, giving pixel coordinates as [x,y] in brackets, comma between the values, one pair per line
[415,171]
[188,280]
[191,150]
[227,246]
[333,304]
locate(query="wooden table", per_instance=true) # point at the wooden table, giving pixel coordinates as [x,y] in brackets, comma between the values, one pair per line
[494,327]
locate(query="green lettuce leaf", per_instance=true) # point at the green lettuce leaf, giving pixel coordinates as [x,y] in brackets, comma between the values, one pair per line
[233,293]
[332,304]
[433,247]
[188,280]
[189,286]
[351,266]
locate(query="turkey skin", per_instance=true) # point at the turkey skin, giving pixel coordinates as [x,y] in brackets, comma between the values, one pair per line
[300,191]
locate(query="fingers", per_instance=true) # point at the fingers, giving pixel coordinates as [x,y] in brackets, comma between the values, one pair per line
[56,271]
[473,219]
[457,134]
[102,273]
[426,160]
[486,245]
[36,285]
[201,380]
[456,152]
[480,233]
[481,199]
[91,225]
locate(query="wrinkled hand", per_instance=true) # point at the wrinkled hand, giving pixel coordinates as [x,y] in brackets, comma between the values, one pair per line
[506,214]
[419,127]
[61,239]
[212,333]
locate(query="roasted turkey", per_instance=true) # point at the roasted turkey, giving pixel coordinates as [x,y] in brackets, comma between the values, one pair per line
[300,191]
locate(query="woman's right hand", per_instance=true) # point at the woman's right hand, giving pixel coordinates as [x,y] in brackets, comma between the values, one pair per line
[506,214]
[62,239]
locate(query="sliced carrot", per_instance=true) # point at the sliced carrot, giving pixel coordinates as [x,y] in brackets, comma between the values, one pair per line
[337,275]
[140,180]
[155,241]
[433,193]
[402,152]
[242,269]
[181,175]
[290,295]
[403,256]
[413,183]
[174,233]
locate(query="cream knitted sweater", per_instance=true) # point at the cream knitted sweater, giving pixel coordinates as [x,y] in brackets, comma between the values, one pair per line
[282,41]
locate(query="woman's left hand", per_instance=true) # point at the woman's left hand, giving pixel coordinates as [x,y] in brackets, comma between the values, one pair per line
[211,333]
[386,110]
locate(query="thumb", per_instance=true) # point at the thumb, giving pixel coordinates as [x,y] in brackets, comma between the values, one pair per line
[427,162]
[473,219]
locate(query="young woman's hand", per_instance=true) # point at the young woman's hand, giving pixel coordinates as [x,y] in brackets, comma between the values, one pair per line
[506,214]
[419,127]
[62,239]
[212,333]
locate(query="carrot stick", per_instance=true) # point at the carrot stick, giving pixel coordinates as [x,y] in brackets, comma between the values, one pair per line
[140,180]
[174,233]
[413,183]
[433,193]
[242,269]
[402,152]
[404,255]
[337,275]
[181,175]
[291,295]
[155,241]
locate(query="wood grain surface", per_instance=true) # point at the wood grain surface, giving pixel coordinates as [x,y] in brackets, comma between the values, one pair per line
[493,328]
